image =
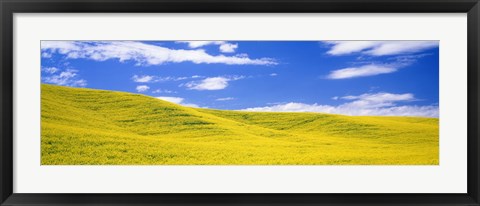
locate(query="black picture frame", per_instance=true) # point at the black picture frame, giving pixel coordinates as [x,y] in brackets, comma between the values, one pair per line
[9,7]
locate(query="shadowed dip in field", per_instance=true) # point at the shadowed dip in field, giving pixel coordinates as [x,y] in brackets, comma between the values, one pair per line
[98,127]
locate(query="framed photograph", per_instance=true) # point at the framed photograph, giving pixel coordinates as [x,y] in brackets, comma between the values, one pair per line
[239,102]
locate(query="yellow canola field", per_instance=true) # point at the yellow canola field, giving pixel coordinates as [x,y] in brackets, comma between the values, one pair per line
[97,127]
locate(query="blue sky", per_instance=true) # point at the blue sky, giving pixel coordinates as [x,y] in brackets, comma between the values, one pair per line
[391,78]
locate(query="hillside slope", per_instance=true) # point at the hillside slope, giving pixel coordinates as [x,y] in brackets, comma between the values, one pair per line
[96,127]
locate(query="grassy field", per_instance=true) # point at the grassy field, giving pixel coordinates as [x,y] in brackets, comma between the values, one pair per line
[96,127]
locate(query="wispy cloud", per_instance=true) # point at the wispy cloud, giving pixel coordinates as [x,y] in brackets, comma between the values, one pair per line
[406,60]
[361,71]
[379,48]
[177,100]
[224,46]
[166,91]
[152,79]
[66,77]
[198,44]
[273,74]
[211,83]
[142,88]
[225,99]
[50,70]
[371,69]
[376,104]
[377,100]
[142,54]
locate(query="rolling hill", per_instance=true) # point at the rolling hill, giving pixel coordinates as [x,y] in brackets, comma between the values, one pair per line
[96,127]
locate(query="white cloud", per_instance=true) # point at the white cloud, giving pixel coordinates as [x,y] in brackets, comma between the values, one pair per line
[372,69]
[348,47]
[362,71]
[46,55]
[228,48]
[196,76]
[273,74]
[142,88]
[166,91]
[406,60]
[293,107]
[142,79]
[212,83]
[67,77]
[151,79]
[377,104]
[400,47]
[377,100]
[62,47]
[177,100]
[50,70]
[236,77]
[198,44]
[381,97]
[79,83]
[241,55]
[164,79]
[224,46]
[225,99]
[379,48]
[142,54]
